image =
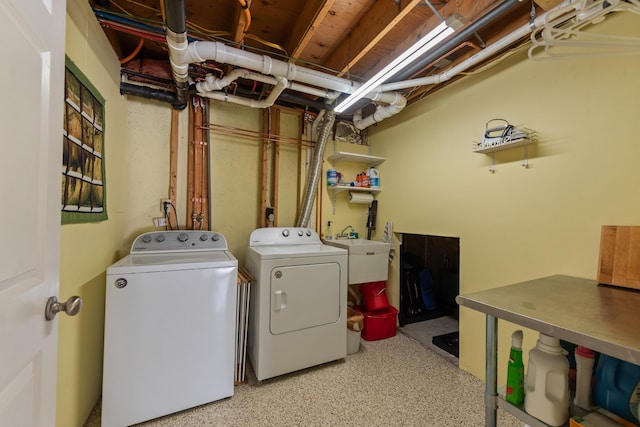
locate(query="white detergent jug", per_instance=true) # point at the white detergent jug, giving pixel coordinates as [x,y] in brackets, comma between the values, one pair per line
[374,177]
[546,384]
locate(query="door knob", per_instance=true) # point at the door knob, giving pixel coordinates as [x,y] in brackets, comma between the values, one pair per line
[72,307]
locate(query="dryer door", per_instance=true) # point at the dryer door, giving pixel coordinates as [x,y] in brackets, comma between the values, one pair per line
[304,296]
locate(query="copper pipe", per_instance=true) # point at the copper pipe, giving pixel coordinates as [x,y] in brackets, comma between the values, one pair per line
[229,130]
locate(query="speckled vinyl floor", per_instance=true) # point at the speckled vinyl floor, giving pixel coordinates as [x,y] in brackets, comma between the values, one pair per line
[391,382]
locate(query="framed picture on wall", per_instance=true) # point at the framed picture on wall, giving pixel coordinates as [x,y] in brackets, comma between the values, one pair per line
[83,178]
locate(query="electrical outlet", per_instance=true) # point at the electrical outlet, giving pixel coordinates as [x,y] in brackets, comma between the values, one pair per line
[160,222]
[162,202]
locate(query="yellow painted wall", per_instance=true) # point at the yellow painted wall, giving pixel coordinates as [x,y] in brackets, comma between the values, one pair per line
[87,249]
[518,224]
[148,125]
[235,175]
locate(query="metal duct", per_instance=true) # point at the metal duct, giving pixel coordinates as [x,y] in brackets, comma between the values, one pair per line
[316,168]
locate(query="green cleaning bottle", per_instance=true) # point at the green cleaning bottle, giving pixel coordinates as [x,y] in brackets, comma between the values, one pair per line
[515,373]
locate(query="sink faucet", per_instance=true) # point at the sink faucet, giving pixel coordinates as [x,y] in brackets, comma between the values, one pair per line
[342,234]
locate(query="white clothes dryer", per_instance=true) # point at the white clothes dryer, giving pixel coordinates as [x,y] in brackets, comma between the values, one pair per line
[298,307]
[169,340]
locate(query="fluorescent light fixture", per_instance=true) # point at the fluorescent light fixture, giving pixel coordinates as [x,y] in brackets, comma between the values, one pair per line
[423,45]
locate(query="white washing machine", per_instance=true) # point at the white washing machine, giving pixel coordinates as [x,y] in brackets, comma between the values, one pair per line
[298,308]
[169,340]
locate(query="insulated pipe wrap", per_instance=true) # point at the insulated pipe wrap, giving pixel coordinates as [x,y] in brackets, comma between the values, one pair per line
[178,48]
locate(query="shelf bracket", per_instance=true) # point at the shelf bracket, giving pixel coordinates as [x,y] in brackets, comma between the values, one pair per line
[333,202]
[525,160]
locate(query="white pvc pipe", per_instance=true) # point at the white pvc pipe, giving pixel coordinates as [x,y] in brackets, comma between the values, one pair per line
[212,83]
[201,51]
[253,103]
[183,53]
[395,101]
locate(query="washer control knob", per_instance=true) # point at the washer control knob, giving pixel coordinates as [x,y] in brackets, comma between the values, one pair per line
[204,237]
[160,238]
[146,238]
[285,232]
[183,237]
[309,233]
[215,237]
[300,233]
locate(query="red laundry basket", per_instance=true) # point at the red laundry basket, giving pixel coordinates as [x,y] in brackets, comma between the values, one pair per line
[374,295]
[379,324]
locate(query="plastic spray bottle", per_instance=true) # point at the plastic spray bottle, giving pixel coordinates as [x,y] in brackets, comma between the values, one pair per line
[515,372]
[328,235]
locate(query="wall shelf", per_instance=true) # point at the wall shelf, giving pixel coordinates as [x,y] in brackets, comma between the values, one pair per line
[345,156]
[340,188]
[479,147]
[356,158]
[511,137]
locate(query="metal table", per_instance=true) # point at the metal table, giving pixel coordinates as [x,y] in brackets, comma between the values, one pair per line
[580,311]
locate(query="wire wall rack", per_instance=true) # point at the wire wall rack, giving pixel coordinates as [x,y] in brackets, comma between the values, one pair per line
[503,137]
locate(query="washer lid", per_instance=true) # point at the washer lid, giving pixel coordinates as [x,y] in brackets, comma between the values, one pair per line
[143,263]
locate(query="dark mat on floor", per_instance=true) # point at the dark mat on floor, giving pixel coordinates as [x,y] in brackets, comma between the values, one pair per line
[447,342]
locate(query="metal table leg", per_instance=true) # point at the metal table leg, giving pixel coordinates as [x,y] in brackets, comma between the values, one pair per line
[491,374]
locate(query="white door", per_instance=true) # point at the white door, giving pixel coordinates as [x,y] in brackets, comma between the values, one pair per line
[31,87]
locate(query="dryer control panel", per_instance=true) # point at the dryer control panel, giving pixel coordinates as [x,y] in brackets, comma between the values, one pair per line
[178,240]
[283,236]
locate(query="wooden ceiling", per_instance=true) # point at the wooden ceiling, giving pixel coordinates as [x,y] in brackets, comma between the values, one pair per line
[349,38]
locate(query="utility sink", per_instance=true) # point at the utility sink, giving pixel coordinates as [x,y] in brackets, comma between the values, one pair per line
[368,259]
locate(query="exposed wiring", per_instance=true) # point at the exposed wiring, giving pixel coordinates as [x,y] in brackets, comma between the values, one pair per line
[141,23]
[130,30]
[167,215]
[142,5]
[134,53]
[162,12]
[244,4]
[158,26]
